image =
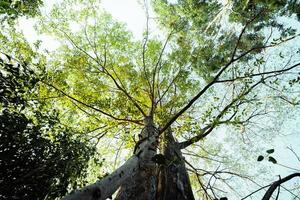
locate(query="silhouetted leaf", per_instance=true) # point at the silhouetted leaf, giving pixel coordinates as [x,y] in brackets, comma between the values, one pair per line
[270,151]
[223,198]
[260,158]
[273,160]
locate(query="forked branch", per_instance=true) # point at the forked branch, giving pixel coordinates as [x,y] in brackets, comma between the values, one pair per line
[197,96]
[277,184]
[94,108]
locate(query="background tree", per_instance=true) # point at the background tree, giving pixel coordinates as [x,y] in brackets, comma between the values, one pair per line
[39,157]
[10,10]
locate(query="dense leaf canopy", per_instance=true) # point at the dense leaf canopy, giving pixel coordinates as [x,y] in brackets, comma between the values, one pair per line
[12,9]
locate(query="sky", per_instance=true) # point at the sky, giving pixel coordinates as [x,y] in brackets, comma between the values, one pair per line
[128,11]
[132,13]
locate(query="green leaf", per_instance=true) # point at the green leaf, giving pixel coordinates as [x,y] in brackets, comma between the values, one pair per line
[270,151]
[260,158]
[273,160]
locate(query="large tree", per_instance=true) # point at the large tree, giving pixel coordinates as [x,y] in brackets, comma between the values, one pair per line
[214,65]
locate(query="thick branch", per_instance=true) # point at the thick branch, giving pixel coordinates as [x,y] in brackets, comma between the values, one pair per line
[276,184]
[192,101]
[105,187]
[216,122]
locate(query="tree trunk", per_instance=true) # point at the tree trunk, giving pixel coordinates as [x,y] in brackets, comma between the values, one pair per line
[135,176]
[173,179]
[140,178]
[142,186]
[106,186]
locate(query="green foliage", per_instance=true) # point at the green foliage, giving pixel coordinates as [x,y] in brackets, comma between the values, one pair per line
[83,74]
[39,158]
[102,53]
[248,8]
[210,37]
[12,9]
[192,25]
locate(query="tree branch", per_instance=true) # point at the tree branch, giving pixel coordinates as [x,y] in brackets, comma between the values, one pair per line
[260,74]
[91,107]
[276,184]
[104,70]
[105,187]
[153,103]
[216,122]
[215,80]
[145,45]
[192,101]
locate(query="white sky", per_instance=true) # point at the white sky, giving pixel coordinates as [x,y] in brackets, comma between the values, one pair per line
[130,12]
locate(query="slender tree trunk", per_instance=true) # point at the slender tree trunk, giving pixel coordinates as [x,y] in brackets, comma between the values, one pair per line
[173,179]
[142,186]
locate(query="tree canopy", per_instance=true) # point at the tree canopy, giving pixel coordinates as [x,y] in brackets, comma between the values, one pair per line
[216,79]
[10,10]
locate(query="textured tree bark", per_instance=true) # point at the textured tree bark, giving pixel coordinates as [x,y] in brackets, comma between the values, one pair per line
[135,176]
[105,187]
[142,186]
[140,178]
[173,179]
